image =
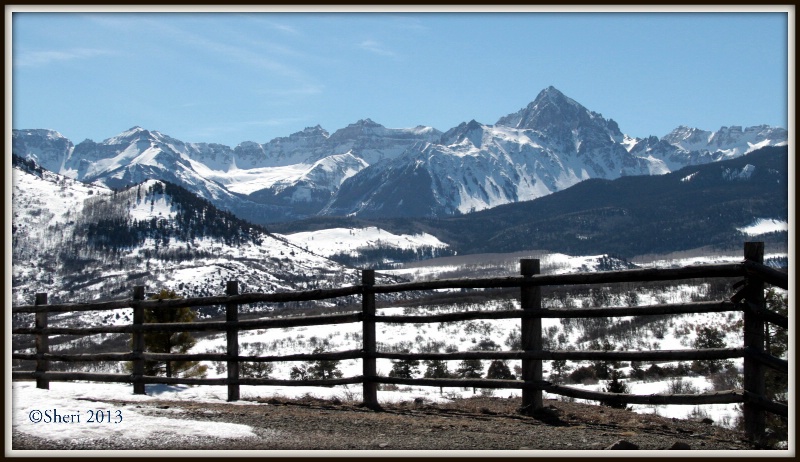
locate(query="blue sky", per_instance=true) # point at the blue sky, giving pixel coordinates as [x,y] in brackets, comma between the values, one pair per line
[234,77]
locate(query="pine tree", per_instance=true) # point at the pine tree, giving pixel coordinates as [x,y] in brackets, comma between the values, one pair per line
[404,368]
[436,369]
[470,369]
[603,367]
[170,342]
[709,337]
[498,369]
[776,383]
[615,385]
[321,369]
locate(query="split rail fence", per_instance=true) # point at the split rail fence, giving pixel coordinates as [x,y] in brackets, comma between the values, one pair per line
[749,299]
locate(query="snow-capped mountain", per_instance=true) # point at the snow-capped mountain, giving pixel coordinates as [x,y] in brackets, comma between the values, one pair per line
[366,169]
[548,146]
[78,241]
[47,148]
[691,146]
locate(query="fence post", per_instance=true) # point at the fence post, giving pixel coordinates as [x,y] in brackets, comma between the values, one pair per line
[754,417]
[138,342]
[370,390]
[531,333]
[42,343]
[232,333]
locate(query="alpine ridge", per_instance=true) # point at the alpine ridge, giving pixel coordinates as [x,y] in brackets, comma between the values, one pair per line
[370,171]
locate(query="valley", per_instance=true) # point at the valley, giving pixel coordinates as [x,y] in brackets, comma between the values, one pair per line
[554,182]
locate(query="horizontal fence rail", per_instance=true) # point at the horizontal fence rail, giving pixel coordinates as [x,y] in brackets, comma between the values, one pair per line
[749,300]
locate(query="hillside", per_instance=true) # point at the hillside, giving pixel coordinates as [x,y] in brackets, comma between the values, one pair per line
[698,206]
[77,242]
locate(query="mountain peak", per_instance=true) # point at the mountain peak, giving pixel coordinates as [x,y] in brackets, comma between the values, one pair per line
[315,129]
[550,107]
[358,129]
[558,115]
[367,123]
[135,132]
[472,131]
[136,129]
[551,93]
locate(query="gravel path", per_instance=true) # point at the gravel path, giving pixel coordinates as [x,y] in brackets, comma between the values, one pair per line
[471,424]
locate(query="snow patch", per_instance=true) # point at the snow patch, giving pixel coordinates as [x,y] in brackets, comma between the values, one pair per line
[81,404]
[688,178]
[764,226]
[744,174]
[329,242]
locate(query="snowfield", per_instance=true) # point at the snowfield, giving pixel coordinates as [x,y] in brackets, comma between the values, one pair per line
[84,415]
[764,226]
[328,242]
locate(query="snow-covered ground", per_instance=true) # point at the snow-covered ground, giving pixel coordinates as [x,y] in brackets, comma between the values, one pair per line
[71,398]
[78,410]
[674,334]
[764,226]
[328,242]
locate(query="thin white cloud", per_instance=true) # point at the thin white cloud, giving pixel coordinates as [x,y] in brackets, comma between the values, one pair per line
[231,52]
[271,24]
[303,90]
[236,52]
[284,28]
[376,47]
[43,58]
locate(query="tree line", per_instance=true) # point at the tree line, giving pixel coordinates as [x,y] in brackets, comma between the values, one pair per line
[108,227]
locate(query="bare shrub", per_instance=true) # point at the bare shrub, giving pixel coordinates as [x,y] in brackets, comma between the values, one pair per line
[679,387]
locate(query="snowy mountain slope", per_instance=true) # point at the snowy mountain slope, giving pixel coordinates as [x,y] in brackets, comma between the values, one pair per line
[548,146]
[694,207]
[47,148]
[83,242]
[329,242]
[704,205]
[369,170]
[691,146]
[311,187]
[45,207]
[763,226]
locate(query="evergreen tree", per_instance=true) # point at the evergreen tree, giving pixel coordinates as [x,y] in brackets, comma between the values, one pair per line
[636,370]
[470,369]
[436,369]
[603,367]
[299,372]
[559,368]
[320,369]
[258,370]
[615,385]
[776,383]
[709,337]
[404,368]
[170,342]
[498,369]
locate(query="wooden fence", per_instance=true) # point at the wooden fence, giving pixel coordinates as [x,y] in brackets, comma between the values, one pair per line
[749,299]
